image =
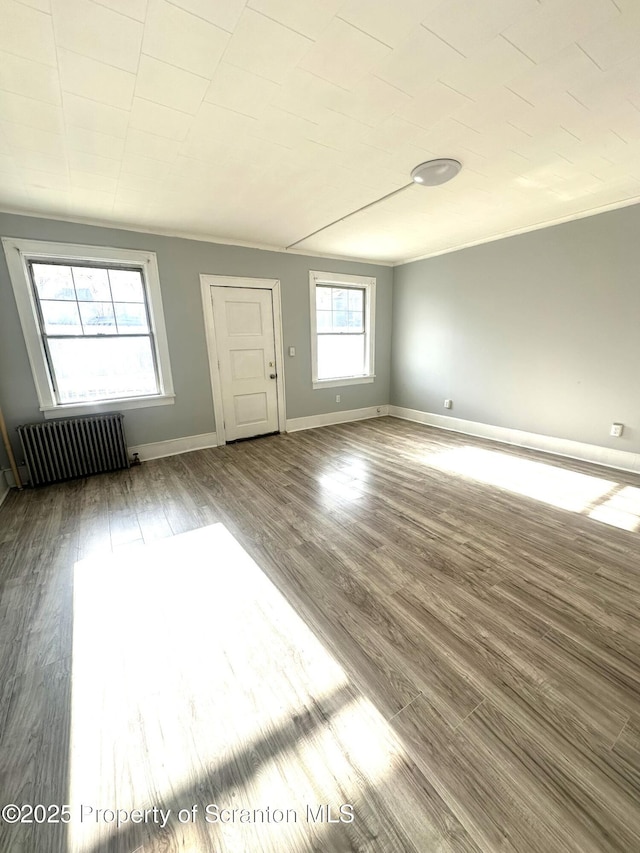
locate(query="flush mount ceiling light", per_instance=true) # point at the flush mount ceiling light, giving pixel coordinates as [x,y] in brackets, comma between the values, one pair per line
[435,172]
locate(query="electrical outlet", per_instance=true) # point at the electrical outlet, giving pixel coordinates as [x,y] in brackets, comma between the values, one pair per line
[616,430]
[337,398]
[448,404]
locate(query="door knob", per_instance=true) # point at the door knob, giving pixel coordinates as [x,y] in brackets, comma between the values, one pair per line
[272,375]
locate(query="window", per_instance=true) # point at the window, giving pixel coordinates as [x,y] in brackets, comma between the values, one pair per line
[342,328]
[93,324]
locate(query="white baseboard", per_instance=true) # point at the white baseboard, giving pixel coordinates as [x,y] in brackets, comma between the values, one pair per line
[6,477]
[329,418]
[623,460]
[174,446]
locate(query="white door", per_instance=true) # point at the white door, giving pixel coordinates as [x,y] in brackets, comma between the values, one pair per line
[245,342]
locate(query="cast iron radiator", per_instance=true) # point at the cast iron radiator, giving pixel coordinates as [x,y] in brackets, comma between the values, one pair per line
[74,447]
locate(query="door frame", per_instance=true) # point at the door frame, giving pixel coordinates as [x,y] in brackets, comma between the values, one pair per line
[272,284]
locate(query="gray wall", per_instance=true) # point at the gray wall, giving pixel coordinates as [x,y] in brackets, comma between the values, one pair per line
[538,332]
[180,263]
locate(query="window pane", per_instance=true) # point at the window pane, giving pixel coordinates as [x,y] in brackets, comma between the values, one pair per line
[356,300]
[341,355]
[101,369]
[340,320]
[131,318]
[340,299]
[324,321]
[356,321]
[61,318]
[126,285]
[53,281]
[323,298]
[97,318]
[91,284]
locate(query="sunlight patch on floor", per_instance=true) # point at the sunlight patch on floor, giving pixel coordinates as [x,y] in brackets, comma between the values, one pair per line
[547,483]
[622,509]
[341,487]
[194,680]
[356,467]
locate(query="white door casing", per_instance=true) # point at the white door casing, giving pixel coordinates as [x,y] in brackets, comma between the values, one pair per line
[244,340]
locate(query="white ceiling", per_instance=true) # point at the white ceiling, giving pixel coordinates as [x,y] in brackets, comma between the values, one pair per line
[261,121]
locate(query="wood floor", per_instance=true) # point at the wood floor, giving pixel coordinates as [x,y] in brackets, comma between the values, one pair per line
[438,634]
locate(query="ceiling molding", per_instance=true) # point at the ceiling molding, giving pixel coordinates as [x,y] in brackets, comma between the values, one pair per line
[594,211]
[187,235]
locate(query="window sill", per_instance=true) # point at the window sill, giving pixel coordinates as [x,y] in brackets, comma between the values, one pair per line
[346,380]
[71,409]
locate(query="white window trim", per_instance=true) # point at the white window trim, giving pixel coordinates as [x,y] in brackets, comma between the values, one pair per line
[336,279]
[18,252]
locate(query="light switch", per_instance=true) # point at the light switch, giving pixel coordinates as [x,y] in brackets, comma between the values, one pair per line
[292,350]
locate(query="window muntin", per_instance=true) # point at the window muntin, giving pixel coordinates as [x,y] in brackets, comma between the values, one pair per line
[96,331]
[342,328]
[340,310]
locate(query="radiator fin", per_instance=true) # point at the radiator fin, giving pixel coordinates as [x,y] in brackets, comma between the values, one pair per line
[74,447]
